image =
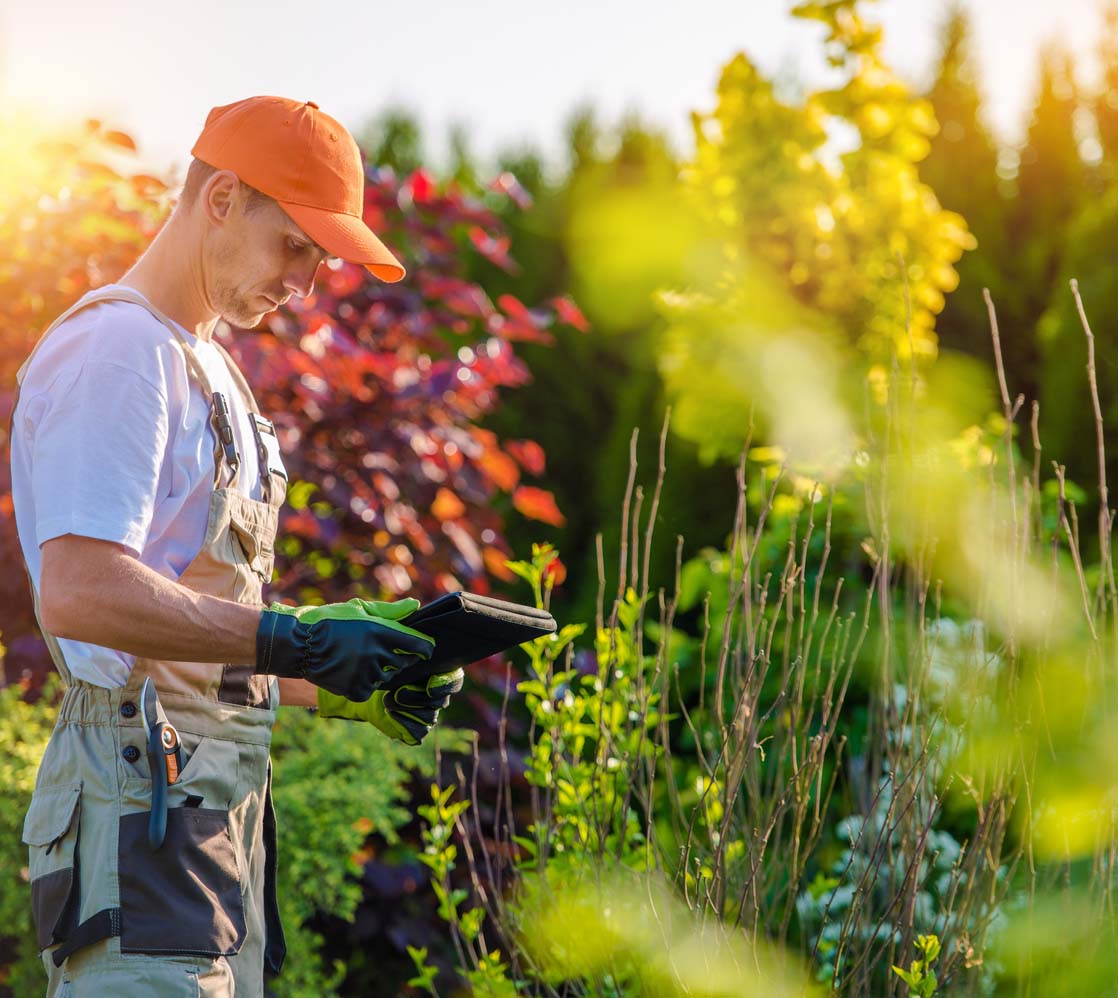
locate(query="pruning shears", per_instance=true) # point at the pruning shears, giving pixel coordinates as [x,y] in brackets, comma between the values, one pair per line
[164,760]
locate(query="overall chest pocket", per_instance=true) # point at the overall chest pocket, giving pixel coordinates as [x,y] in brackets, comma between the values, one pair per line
[50,831]
[252,545]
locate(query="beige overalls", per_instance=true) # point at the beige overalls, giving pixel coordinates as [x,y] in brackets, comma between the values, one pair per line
[197,916]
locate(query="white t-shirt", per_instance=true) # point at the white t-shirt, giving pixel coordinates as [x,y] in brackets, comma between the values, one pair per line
[112,439]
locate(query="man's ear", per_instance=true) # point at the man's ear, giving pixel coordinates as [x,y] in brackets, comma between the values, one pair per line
[219,196]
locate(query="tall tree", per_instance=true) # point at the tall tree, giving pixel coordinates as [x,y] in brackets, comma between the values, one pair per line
[963,158]
[583,139]
[394,139]
[1051,173]
[608,230]
[1051,182]
[962,169]
[1051,187]
[463,167]
[1105,103]
[1089,253]
[1067,427]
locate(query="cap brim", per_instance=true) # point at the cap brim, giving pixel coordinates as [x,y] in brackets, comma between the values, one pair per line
[348,237]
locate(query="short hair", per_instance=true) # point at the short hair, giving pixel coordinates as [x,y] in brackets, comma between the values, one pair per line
[196,176]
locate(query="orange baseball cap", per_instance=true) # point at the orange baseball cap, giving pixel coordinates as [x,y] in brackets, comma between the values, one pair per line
[306,161]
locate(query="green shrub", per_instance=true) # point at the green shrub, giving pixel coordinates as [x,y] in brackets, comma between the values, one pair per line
[334,784]
[24,730]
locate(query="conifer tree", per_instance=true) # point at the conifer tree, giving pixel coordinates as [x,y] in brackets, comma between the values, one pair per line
[463,168]
[962,169]
[620,178]
[1088,252]
[394,139]
[1105,103]
[962,162]
[1051,186]
[1051,182]
[1051,172]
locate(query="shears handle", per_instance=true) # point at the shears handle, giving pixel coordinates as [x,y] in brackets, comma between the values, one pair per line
[163,761]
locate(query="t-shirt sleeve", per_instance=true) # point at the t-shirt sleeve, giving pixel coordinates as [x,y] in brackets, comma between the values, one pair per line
[97,453]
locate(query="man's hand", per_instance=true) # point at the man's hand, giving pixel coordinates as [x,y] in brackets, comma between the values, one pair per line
[349,649]
[406,713]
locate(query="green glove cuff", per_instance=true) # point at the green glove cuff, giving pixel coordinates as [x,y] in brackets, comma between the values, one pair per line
[371,711]
[383,612]
[332,705]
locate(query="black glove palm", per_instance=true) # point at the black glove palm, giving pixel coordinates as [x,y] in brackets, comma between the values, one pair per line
[415,707]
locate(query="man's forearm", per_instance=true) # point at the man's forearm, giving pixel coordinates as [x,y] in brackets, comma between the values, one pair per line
[97,592]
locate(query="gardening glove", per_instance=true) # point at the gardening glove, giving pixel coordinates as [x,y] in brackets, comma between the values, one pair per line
[405,712]
[350,649]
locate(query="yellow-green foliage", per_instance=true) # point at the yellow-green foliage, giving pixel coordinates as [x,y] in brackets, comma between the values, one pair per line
[816,205]
[634,934]
[920,977]
[833,224]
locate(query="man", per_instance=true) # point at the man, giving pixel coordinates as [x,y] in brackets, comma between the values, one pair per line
[147,488]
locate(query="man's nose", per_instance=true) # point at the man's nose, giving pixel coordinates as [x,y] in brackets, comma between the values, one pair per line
[300,280]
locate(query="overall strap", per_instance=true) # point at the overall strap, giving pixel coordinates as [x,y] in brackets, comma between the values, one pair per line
[238,379]
[128,295]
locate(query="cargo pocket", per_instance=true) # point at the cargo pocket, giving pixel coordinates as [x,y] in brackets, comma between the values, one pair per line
[184,897]
[50,831]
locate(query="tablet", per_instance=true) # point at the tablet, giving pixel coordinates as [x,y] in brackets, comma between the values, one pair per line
[467,628]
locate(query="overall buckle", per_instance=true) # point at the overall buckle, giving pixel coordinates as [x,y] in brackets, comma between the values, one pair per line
[224,426]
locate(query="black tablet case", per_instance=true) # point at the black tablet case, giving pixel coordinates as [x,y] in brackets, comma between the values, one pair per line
[467,627]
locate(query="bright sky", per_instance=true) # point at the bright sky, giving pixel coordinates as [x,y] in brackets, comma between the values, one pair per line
[510,72]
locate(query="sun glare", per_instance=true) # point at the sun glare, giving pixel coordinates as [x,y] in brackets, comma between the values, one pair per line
[23,160]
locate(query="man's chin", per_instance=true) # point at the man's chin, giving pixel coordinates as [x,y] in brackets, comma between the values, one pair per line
[243,319]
